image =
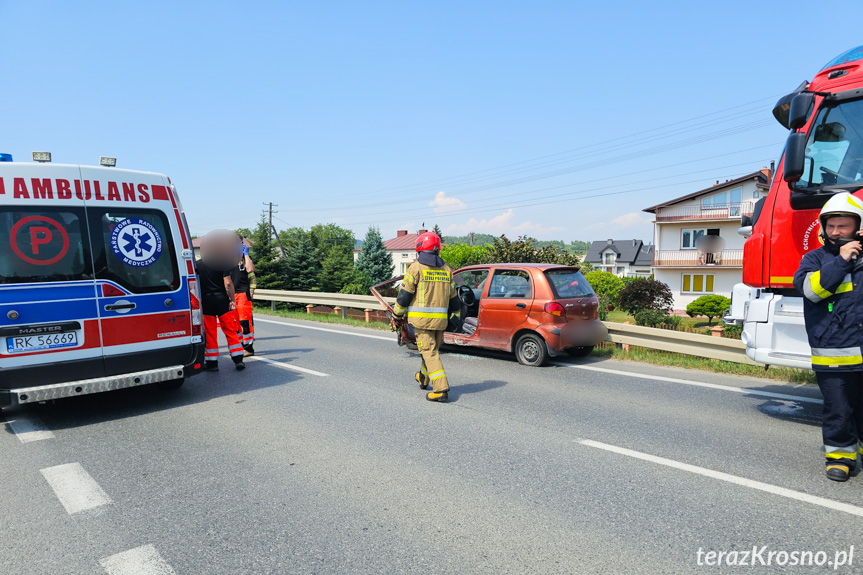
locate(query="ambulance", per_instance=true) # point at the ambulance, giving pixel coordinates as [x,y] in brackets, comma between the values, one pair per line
[97,281]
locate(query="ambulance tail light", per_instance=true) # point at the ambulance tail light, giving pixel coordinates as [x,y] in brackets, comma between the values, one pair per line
[195,304]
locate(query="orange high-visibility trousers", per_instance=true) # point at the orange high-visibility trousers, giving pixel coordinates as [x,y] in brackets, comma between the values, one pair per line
[231,329]
[244,310]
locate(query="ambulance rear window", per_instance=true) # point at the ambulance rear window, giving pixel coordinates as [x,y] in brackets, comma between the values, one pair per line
[43,245]
[134,248]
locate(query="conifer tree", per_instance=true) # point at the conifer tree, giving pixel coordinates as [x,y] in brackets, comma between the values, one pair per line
[336,269]
[374,258]
[303,265]
[270,269]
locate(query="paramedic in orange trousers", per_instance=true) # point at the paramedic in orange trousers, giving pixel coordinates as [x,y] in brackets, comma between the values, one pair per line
[243,276]
[217,293]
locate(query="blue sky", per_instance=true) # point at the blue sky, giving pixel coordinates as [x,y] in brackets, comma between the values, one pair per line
[555,119]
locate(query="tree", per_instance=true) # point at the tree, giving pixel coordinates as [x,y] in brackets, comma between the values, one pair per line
[646,293]
[710,306]
[337,268]
[374,258]
[270,268]
[359,283]
[437,230]
[303,265]
[325,236]
[525,250]
[607,287]
[460,255]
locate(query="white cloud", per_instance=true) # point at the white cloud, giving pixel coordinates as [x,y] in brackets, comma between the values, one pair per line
[441,203]
[502,224]
[620,223]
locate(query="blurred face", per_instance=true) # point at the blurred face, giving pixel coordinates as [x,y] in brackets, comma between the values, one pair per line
[221,250]
[843,227]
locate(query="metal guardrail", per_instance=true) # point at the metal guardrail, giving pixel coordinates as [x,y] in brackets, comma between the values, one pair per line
[707,346]
[342,300]
[662,339]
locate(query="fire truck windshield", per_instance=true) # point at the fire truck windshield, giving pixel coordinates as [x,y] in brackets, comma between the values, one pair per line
[834,149]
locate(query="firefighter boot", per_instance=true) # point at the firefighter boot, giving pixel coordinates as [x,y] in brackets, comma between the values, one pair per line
[838,472]
[211,366]
[438,396]
[423,380]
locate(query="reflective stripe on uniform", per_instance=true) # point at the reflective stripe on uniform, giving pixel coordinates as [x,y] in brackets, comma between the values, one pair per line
[398,310]
[408,278]
[436,375]
[432,312]
[842,452]
[837,356]
[815,292]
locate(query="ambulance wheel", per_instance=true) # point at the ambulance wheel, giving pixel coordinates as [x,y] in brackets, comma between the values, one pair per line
[583,351]
[172,384]
[530,350]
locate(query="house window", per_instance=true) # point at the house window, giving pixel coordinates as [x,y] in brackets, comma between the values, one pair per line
[722,199]
[689,237]
[405,267]
[697,283]
[608,258]
[619,270]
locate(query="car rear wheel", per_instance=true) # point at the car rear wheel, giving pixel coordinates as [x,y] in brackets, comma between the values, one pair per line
[583,351]
[530,350]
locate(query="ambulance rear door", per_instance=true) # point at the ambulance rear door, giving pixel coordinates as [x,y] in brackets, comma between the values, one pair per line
[142,275]
[49,326]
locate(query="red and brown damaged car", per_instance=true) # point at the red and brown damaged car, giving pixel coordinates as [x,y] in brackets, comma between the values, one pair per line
[535,311]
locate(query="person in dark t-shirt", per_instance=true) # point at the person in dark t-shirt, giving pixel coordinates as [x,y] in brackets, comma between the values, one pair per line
[217,295]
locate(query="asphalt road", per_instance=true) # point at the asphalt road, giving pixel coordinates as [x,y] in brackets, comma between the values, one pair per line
[323,457]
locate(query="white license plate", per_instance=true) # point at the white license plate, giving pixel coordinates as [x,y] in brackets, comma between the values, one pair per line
[22,343]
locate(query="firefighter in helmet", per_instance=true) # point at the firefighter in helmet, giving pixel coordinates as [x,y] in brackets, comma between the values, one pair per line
[429,297]
[830,278]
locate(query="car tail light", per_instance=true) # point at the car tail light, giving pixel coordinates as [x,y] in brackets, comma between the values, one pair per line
[554,308]
[195,305]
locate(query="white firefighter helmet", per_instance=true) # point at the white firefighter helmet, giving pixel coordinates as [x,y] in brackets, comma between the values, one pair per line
[841,204]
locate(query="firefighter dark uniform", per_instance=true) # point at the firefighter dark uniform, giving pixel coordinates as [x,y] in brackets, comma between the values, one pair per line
[428,299]
[833,310]
[243,276]
[216,304]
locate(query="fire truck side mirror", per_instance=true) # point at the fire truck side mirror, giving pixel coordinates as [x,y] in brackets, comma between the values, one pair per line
[795,157]
[801,107]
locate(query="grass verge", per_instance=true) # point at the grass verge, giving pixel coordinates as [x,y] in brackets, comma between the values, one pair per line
[641,354]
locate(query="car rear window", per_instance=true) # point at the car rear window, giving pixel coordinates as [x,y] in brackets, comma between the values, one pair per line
[42,244]
[568,283]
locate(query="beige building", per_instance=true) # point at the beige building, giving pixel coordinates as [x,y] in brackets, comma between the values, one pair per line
[698,250]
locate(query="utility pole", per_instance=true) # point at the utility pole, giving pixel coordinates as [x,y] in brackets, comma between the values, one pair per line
[272,229]
[271,204]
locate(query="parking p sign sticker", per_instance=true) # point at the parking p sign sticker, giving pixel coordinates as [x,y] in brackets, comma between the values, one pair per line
[136,242]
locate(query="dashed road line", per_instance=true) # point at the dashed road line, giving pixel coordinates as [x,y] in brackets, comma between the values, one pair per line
[750,483]
[74,487]
[390,338]
[144,560]
[287,366]
[29,428]
[743,390]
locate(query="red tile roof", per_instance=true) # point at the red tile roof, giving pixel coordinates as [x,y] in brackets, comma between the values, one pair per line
[403,242]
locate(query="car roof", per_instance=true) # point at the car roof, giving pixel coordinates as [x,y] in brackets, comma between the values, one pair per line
[521,265]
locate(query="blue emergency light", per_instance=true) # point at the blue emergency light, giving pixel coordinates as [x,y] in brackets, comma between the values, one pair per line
[5,157]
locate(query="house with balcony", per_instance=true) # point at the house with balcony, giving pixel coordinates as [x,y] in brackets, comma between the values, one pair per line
[626,258]
[697,248]
[402,250]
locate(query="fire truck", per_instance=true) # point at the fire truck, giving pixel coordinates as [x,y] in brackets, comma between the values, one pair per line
[823,156]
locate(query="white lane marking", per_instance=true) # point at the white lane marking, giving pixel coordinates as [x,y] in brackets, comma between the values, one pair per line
[75,488]
[144,560]
[390,338]
[29,428]
[774,489]
[744,390]
[287,366]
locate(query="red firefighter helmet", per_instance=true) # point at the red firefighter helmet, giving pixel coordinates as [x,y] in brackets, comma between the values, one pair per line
[428,242]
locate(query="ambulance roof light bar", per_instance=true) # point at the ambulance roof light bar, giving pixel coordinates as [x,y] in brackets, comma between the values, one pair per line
[5,157]
[107,162]
[42,157]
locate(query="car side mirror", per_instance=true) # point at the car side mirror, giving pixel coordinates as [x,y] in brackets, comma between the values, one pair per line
[801,107]
[795,157]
